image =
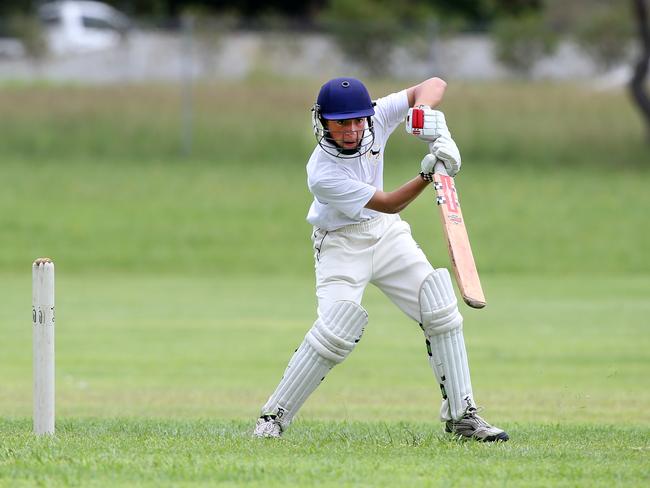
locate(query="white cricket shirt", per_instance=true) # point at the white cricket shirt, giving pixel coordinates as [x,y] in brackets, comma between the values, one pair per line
[342,187]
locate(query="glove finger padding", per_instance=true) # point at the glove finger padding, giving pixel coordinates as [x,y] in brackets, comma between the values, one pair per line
[425,123]
[446,150]
[428,163]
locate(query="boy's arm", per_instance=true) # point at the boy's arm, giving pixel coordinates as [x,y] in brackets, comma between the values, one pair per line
[395,201]
[429,92]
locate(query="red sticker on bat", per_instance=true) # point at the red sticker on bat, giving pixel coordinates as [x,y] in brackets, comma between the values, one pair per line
[448,193]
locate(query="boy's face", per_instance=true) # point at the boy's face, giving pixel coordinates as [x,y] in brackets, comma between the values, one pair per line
[348,133]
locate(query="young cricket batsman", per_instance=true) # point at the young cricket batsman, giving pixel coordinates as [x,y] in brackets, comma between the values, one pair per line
[359,238]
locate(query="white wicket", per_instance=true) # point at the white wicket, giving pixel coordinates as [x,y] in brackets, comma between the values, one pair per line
[43,344]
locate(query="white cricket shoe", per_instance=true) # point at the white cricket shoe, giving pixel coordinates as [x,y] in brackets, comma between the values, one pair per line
[472,426]
[267,426]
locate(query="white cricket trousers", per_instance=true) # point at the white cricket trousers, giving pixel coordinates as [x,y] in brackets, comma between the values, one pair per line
[380,251]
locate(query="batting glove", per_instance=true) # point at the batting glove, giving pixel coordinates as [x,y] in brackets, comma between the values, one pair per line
[446,150]
[426,123]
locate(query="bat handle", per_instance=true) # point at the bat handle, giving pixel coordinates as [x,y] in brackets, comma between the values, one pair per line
[439,168]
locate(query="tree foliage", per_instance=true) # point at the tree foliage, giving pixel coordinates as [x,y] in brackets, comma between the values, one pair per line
[28,30]
[605,34]
[602,28]
[476,11]
[367,31]
[522,40]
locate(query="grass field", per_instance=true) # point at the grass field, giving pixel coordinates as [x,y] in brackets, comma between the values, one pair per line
[184,284]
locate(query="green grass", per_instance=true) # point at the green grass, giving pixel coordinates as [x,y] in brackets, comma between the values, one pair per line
[184,285]
[561,365]
[554,178]
[216,346]
[267,124]
[193,217]
[208,452]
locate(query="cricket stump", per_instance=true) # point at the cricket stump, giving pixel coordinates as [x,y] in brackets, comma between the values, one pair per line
[43,344]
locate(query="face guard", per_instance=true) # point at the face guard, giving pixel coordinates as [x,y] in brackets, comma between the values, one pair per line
[327,143]
[343,99]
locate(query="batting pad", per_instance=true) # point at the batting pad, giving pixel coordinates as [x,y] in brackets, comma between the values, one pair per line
[328,342]
[443,328]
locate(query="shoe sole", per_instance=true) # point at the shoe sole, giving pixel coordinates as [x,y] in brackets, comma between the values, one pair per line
[500,437]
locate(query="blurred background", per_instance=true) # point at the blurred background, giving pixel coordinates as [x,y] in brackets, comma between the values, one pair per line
[155,149]
[152,40]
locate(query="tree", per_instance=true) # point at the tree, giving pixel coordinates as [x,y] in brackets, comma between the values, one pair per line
[13,6]
[522,40]
[637,84]
[367,31]
[28,29]
[605,33]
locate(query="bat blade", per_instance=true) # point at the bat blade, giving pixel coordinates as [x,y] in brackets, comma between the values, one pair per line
[460,250]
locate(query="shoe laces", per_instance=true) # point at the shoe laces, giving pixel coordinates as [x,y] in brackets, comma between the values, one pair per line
[472,413]
[272,418]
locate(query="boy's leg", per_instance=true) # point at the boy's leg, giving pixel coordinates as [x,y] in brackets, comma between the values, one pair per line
[404,274]
[402,270]
[328,342]
[340,283]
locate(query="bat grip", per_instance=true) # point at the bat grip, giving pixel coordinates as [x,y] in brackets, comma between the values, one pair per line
[439,168]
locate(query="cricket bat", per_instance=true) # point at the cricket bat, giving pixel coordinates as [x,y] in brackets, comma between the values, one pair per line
[460,251]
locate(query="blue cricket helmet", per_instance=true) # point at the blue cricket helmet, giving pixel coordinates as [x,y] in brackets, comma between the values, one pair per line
[342,99]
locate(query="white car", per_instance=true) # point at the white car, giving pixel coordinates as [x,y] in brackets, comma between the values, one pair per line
[73,26]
